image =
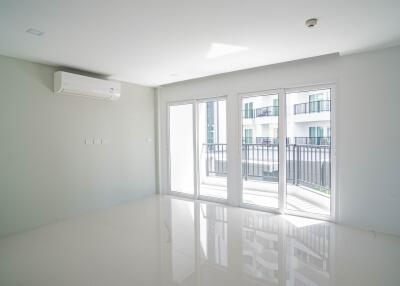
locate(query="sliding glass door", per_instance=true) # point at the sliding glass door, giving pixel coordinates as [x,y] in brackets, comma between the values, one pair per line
[284,160]
[198,149]
[181,149]
[288,170]
[212,155]
[260,150]
[309,154]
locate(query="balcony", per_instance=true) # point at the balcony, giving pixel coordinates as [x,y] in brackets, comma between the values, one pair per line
[266,140]
[312,107]
[295,140]
[306,165]
[261,112]
[308,171]
[312,140]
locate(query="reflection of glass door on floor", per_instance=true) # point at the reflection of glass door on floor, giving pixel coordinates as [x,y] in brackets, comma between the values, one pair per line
[203,242]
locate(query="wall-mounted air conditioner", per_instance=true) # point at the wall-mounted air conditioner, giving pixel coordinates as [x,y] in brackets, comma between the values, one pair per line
[74,84]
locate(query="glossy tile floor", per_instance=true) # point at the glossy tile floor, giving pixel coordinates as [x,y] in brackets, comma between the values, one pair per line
[171,241]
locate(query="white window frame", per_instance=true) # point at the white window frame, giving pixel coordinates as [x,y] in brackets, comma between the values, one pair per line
[235,190]
[333,216]
[241,97]
[169,189]
[199,196]
[196,195]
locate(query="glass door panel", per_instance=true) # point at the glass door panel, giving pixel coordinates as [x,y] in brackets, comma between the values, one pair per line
[212,149]
[181,148]
[260,144]
[308,151]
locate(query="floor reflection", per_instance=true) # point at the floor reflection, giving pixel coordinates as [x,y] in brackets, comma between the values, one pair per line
[260,247]
[308,254]
[211,244]
[213,234]
[167,241]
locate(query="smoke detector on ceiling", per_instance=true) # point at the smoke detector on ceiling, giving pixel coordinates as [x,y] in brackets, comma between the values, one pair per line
[310,23]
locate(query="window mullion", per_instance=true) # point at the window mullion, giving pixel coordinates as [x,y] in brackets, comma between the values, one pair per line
[282,150]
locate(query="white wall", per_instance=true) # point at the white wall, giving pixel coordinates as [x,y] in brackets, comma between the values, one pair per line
[368,130]
[47,172]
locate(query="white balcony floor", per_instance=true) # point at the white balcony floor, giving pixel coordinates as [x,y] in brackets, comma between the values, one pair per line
[169,241]
[265,194]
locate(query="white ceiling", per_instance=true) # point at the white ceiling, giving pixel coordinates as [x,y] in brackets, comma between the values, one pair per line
[154,42]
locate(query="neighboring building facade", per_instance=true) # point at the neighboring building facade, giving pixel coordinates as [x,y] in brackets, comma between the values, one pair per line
[308,118]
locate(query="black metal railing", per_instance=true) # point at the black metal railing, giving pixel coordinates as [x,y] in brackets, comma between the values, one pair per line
[312,140]
[294,140]
[261,112]
[215,159]
[247,140]
[267,140]
[260,161]
[312,107]
[307,165]
[267,111]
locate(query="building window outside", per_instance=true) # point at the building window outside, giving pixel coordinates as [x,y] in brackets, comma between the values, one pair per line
[248,136]
[210,123]
[314,101]
[316,97]
[275,108]
[316,132]
[248,110]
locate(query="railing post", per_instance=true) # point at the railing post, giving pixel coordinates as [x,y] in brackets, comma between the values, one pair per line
[294,164]
[320,167]
[298,165]
[208,161]
[246,160]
